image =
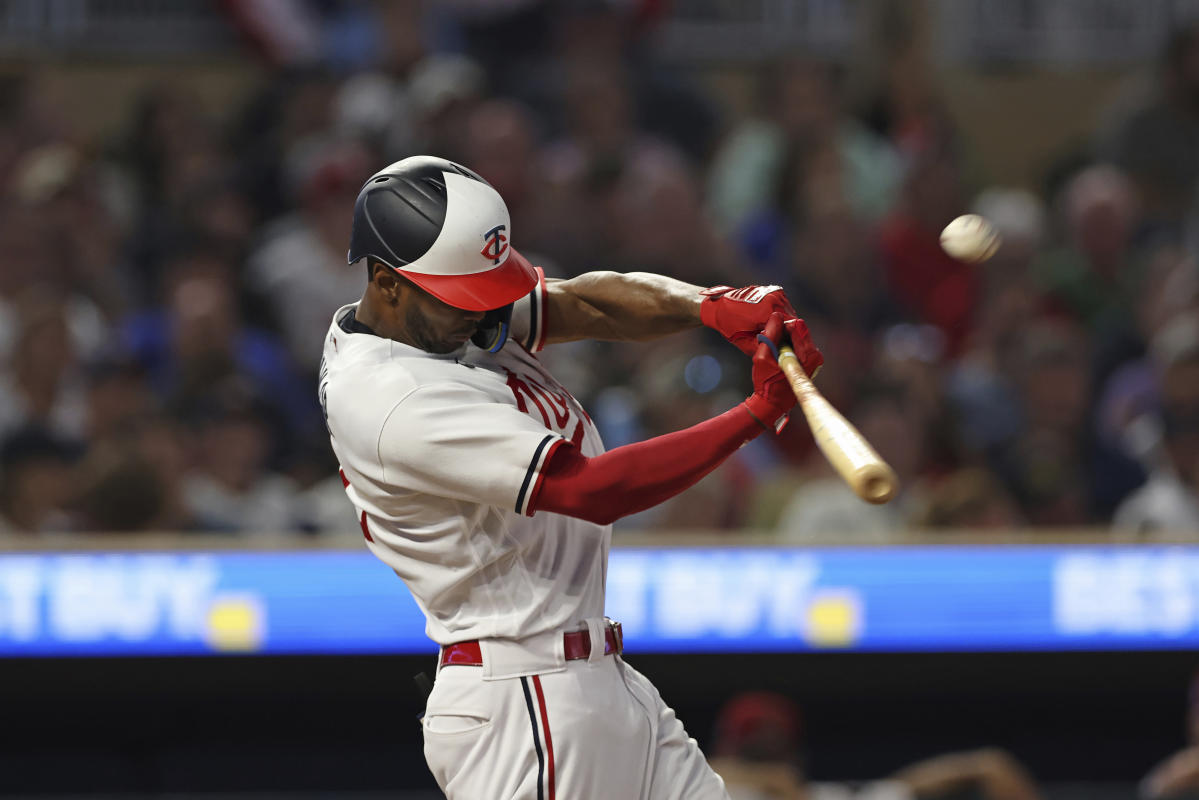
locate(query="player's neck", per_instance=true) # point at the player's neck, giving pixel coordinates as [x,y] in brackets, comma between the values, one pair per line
[377,315]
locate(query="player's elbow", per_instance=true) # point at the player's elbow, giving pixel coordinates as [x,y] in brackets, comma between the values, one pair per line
[581,504]
[577,486]
[600,517]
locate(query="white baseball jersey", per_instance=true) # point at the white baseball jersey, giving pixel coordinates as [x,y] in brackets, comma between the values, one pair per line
[441,456]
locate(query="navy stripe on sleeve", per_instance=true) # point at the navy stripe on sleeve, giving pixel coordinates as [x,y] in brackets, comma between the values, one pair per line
[534,467]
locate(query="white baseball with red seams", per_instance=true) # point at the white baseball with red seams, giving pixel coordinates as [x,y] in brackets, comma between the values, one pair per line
[970,238]
[441,456]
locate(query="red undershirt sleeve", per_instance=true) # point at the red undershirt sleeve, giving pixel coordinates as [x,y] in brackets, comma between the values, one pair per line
[638,476]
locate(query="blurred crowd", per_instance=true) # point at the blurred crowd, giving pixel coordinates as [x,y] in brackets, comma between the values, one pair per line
[761,742]
[760,746]
[165,291]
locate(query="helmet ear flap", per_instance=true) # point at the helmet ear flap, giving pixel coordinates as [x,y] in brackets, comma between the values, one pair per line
[493,329]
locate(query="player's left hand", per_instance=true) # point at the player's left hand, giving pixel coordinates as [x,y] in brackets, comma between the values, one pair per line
[773,396]
[741,314]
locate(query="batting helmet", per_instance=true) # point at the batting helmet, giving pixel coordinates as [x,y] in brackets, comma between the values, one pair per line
[444,228]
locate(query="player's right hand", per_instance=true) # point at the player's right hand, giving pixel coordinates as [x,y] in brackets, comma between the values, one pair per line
[741,314]
[773,397]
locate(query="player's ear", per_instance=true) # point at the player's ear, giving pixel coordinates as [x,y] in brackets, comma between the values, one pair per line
[386,281]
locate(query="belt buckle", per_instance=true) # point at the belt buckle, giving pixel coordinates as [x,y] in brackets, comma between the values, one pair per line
[618,634]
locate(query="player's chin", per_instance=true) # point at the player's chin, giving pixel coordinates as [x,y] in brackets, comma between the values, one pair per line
[441,348]
[449,344]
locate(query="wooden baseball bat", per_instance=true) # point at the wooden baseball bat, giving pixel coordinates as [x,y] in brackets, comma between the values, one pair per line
[871,478]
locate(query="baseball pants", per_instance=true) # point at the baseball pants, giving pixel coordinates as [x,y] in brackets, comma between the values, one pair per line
[590,730]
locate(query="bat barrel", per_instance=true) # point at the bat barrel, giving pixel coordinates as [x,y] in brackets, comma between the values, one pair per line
[866,473]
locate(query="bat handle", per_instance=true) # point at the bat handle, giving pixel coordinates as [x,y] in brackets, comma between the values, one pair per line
[797,376]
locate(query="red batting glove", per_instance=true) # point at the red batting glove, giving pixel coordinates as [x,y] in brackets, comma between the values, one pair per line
[809,354]
[740,314]
[773,397]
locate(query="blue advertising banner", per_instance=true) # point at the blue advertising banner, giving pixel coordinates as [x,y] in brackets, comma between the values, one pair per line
[670,600]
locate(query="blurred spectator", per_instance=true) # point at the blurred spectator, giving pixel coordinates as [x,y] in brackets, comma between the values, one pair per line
[1169,501]
[604,169]
[1092,277]
[1155,136]
[406,30]
[424,108]
[230,487]
[800,113]
[292,110]
[1127,413]
[833,274]
[81,220]
[909,359]
[757,749]
[300,267]
[1009,294]
[904,105]
[290,32]
[1045,465]
[605,36]
[658,224]
[167,126]
[502,145]
[198,339]
[600,113]
[510,40]
[443,91]
[161,442]
[978,388]
[1178,775]
[31,270]
[37,486]
[217,211]
[323,508]
[1019,217]
[970,500]
[120,490]
[45,384]
[118,396]
[927,283]
[35,113]
[185,187]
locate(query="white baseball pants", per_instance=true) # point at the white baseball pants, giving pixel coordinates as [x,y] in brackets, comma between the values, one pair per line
[593,729]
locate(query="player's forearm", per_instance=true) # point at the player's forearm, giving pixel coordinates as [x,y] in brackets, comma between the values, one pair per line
[616,306]
[996,774]
[604,488]
[1176,775]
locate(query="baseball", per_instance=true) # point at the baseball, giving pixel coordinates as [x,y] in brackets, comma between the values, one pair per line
[970,238]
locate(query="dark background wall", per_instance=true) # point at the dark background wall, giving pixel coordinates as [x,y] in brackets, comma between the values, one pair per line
[342,725]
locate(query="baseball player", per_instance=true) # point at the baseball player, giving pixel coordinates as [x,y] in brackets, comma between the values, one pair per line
[483,483]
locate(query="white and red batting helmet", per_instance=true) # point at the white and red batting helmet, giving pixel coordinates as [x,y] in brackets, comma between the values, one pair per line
[444,228]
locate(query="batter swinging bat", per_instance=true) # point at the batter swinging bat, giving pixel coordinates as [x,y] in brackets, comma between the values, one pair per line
[845,448]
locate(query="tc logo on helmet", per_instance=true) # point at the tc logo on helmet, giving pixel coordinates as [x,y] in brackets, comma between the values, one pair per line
[497,244]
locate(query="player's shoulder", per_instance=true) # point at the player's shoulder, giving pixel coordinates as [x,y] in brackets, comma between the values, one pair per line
[358,363]
[353,361]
